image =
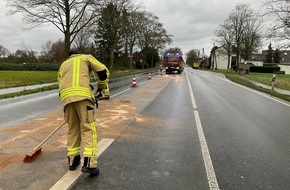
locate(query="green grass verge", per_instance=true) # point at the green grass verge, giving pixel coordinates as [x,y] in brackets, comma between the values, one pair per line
[240,80]
[23,78]
[282,81]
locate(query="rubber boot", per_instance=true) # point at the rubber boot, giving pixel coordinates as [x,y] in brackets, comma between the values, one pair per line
[87,169]
[76,160]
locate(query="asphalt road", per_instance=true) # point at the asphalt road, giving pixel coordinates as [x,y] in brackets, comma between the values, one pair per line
[246,136]
[200,131]
[23,108]
[161,152]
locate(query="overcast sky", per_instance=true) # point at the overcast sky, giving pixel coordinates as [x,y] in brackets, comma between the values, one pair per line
[191,22]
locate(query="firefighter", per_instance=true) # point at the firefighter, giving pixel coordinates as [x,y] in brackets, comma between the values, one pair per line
[78,102]
[161,67]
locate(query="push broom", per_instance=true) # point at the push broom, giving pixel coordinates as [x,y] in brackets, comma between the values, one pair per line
[37,150]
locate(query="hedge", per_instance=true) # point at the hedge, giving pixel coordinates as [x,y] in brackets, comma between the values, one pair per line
[29,66]
[264,69]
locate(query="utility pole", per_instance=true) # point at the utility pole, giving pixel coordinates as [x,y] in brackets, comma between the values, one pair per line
[203,59]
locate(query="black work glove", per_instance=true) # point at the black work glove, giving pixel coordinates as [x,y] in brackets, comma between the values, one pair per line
[99,93]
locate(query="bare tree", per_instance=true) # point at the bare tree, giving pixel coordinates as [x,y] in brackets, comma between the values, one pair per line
[192,56]
[69,16]
[83,40]
[45,55]
[278,14]
[30,53]
[225,39]
[3,51]
[241,32]
[133,29]
[152,34]
[252,36]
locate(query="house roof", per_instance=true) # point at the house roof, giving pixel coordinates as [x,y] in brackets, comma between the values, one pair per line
[284,54]
[256,57]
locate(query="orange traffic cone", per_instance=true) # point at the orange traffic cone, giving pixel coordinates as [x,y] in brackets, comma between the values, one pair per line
[149,76]
[134,84]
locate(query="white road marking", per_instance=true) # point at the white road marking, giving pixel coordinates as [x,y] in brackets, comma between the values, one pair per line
[70,177]
[255,91]
[121,92]
[191,92]
[211,177]
[117,94]
[143,83]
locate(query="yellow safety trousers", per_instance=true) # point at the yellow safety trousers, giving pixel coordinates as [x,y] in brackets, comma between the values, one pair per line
[82,130]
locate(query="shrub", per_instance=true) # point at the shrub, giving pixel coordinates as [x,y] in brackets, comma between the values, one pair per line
[29,66]
[264,69]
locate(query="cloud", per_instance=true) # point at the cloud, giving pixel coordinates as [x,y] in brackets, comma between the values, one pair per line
[14,33]
[192,22]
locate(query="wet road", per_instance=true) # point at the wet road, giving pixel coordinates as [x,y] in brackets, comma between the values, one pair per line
[245,146]
[197,131]
[20,109]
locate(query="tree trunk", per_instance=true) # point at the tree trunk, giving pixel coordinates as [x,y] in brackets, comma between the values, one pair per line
[112,57]
[215,60]
[238,61]
[229,60]
[67,43]
[131,59]
[67,30]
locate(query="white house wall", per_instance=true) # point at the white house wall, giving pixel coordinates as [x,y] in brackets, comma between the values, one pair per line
[222,62]
[285,68]
[221,59]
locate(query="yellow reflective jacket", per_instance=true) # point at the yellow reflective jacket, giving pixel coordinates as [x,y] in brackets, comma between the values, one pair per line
[74,78]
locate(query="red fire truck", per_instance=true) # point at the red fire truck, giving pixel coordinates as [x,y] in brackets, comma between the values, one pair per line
[173,62]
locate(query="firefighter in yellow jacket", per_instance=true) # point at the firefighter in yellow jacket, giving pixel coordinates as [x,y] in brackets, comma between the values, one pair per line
[78,102]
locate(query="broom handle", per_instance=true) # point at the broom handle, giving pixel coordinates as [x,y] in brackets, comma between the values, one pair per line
[39,146]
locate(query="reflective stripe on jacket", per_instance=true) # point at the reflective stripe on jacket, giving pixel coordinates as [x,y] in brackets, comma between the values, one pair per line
[74,77]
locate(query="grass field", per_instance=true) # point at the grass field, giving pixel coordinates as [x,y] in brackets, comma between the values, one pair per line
[22,78]
[282,81]
[10,79]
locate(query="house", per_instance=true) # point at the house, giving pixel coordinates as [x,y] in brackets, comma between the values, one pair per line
[220,59]
[285,60]
[137,56]
[255,60]
[284,54]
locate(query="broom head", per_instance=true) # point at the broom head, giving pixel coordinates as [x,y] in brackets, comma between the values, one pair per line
[31,156]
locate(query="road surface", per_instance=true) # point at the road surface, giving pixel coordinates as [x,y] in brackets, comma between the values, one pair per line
[195,130]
